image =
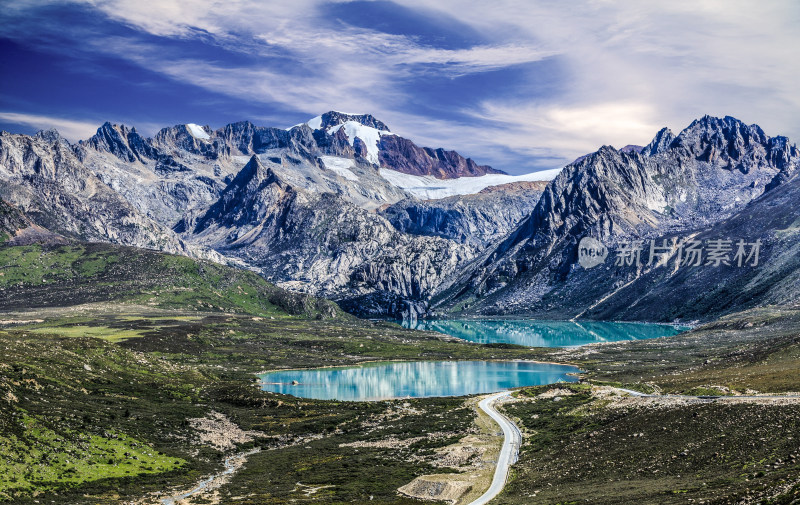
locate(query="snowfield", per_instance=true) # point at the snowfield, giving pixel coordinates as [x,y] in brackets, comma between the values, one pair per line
[370,136]
[197,131]
[340,166]
[430,188]
[352,129]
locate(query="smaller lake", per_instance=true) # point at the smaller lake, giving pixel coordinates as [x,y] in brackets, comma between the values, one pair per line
[414,379]
[532,333]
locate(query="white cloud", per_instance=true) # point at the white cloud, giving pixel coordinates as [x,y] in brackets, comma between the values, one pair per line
[571,131]
[69,129]
[629,67]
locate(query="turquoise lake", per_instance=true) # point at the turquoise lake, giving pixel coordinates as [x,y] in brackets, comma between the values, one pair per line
[544,333]
[413,379]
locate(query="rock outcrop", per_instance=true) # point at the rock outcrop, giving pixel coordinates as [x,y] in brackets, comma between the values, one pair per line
[46,180]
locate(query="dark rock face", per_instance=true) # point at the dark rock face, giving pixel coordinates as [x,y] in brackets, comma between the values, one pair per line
[322,244]
[253,195]
[124,143]
[475,220]
[334,118]
[17,229]
[402,155]
[245,138]
[660,142]
[11,221]
[707,174]
[127,145]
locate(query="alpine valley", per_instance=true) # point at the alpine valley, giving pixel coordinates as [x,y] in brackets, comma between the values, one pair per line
[340,207]
[150,287]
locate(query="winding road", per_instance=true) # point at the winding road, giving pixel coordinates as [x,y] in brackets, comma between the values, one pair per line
[512,438]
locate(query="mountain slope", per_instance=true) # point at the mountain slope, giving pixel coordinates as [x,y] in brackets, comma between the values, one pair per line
[11,221]
[666,293]
[710,171]
[47,181]
[320,243]
[64,275]
[478,219]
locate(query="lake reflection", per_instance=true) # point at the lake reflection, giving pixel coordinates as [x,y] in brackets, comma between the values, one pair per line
[544,333]
[378,381]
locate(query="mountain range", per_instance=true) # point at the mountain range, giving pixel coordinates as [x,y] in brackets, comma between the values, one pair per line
[343,208]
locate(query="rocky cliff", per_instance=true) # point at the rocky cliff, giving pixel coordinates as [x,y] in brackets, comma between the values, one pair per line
[675,186]
[47,181]
[476,220]
[322,244]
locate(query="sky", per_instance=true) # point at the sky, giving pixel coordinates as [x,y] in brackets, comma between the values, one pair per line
[521,85]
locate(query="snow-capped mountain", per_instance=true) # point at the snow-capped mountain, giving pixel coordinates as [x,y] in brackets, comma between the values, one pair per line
[372,140]
[298,205]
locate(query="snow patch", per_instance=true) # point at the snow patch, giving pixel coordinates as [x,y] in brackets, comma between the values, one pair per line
[197,131]
[340,166]
[370,136]
[430,188]
[315,123]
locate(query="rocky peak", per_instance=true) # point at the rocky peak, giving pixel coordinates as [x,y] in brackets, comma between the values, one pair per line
[123,142]
[192,138]
[660,142]
[247,199]
[403,155]
[253,173]
[51,136]
[333,118]
[782,154]
[732,145]
[728,140]
[246,138]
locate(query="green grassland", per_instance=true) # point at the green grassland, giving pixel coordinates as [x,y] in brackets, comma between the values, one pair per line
[96,405]
[37,458]
[38,276]
[109,352]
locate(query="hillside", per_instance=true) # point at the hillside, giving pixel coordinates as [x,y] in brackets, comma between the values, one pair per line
[38,276]
[718,179]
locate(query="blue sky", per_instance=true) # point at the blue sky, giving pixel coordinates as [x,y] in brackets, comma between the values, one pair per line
[519,85]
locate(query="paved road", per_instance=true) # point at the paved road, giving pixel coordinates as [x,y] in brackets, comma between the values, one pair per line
[509,451]
[513,437]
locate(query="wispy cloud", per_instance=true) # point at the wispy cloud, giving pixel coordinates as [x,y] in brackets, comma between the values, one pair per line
[68,128]
[628,67]
[571,131]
